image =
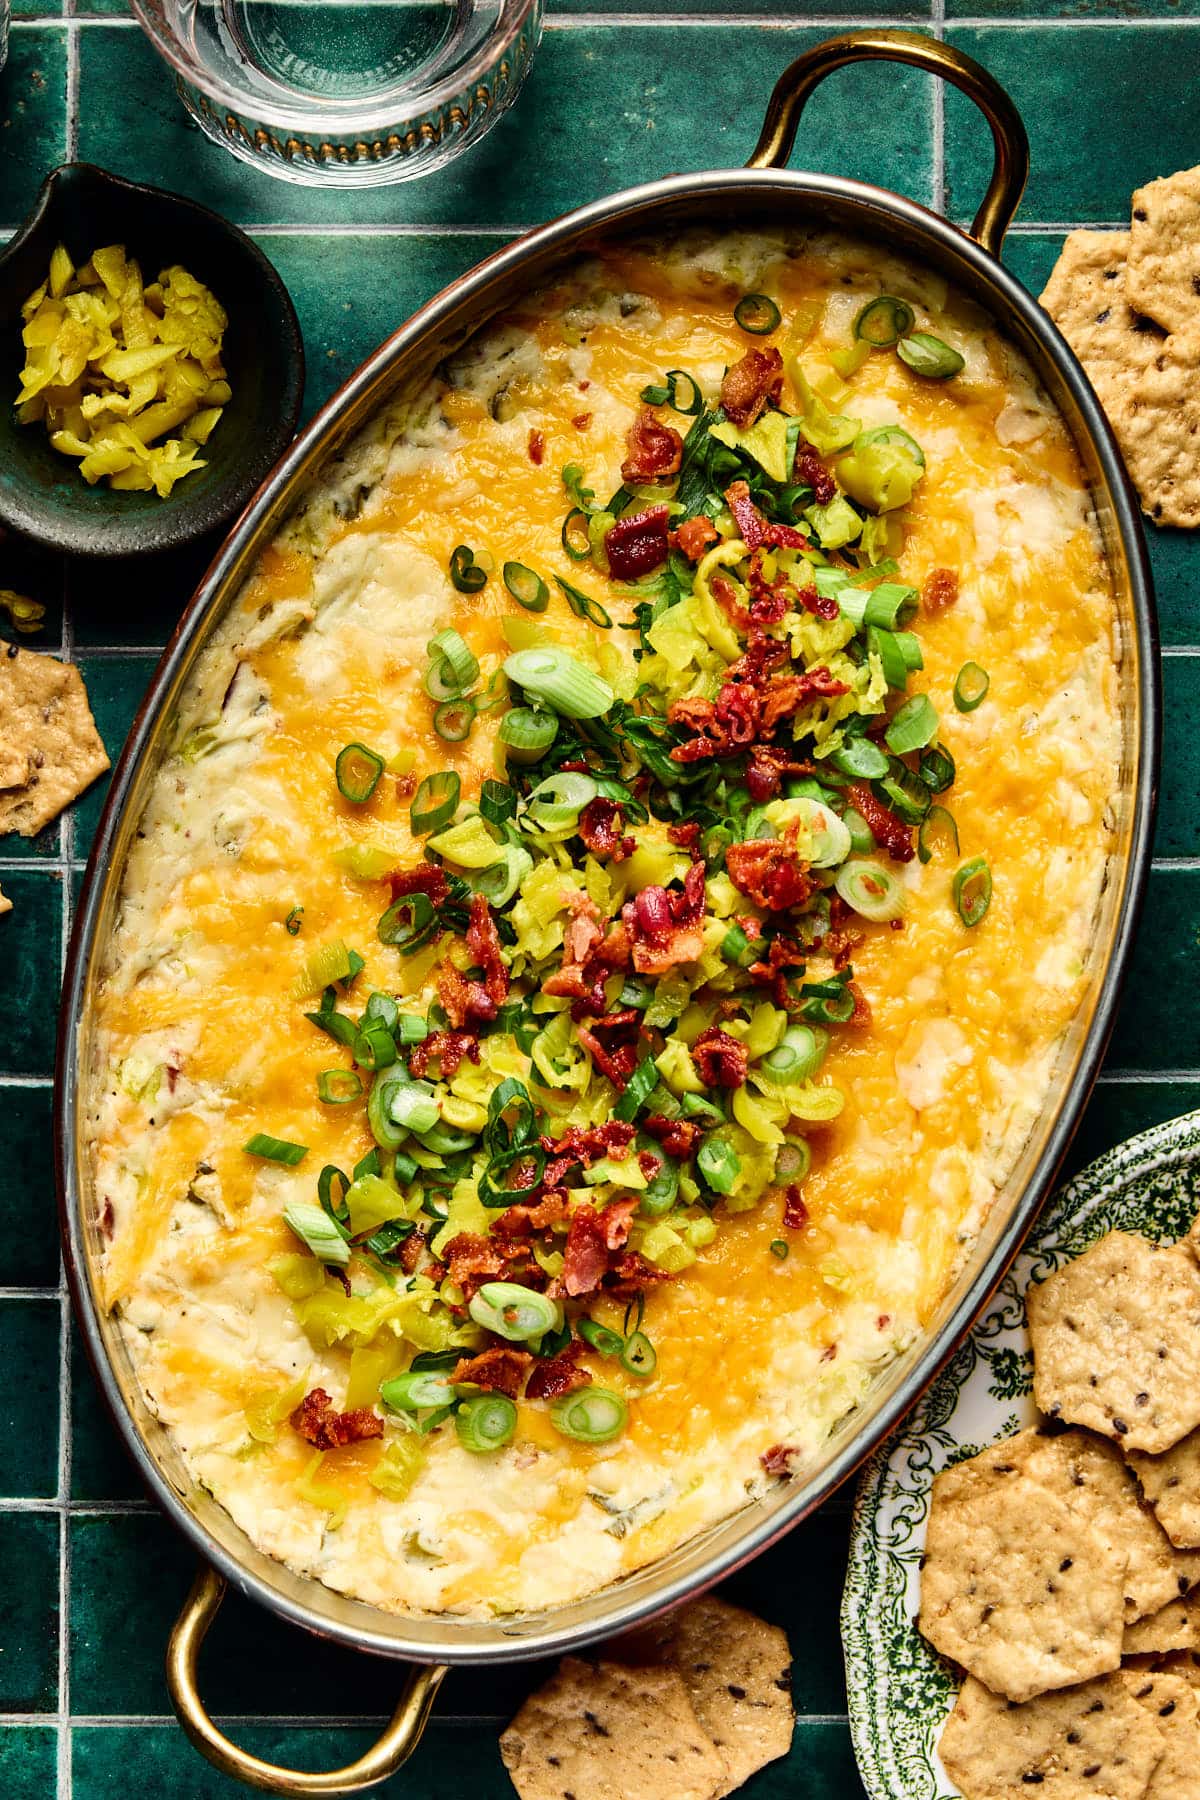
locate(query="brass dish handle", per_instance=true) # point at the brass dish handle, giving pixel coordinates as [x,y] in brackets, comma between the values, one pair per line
[399,1740]
[797,83]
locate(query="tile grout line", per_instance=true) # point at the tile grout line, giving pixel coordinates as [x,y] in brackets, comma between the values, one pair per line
[780,22]
[938,21]
[64,1773]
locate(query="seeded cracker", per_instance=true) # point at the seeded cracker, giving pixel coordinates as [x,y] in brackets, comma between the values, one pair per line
[1175,1626]
[1171,1483]
[1163,278]
[1158,424]
[50,750]
[1116,1342]
[1174,1707]
[608,1733]
[1016,1587]
[1086,298]
[736,1668]
[1091,1740]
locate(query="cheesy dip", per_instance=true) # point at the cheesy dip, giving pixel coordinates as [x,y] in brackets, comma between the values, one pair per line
[607,922]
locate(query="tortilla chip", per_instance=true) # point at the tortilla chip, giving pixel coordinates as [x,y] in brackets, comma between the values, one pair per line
[1163,279]
[1095,1740]
[51,750]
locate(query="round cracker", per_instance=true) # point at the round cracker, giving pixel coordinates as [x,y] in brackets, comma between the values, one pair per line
[1095,1739]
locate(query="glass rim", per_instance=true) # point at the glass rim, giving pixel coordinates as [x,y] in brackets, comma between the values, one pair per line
[325,117]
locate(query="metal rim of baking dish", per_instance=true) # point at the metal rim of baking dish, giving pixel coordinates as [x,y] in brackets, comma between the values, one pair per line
[438,1641]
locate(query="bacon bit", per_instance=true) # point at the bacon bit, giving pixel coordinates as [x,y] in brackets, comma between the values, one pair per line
[637,543]
[411,1250]
[581,421]
[406,786]
[649,1164]
[883,1321]
[895,836]
[427,878]
[678,1137]
[523,1221]
[860,1018]
[769,873]
[483,941]
[685,836]
[748,707]
[585,1259]
[841,945]
[463,1000]
[618,1057]
[795,1213]
[500,1370]
[752,527]
[778,1459]
[756,378]
[769,763]
[316,1421]
[822,606]
[471,1258]
[939,590]
[631,1273]
[589,958]
[106,1218]
[829,1353]
[809,469]
[537,447]
[557,1375]
[600,826]
[582,1146]
[694,536]
[653,450]
[665,928]
[721,1061]
[448,1049]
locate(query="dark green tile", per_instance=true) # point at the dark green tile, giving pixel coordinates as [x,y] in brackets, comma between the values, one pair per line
[1112,10]
[1092,135]
[29,1340]
[28,1216]
[1175,560]
[28,1614]
[1158,1026]
[28,1759]
[138,602]
[1031,256]
[101,1467]
[116,686]
[1119,1110]
[598,113]
[1178,830]
[29,969]
[33,115]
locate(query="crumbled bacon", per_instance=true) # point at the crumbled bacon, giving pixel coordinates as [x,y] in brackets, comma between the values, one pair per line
[747,707]
[752,527]
[537,447]
[822,606]
[595,1234]
[483,941]
[589,957]
[686,836]
[809,468]
[427,878]
[523,1221]
[448,1049]
[557,1374]
[600,828]
[782,956]
[665,927]
[581,421]
[892,833]
[795,1213]
[464,1000]
[653,450]
[500,1370]
[612,1044]
[861,1016]
[939,590]
[580,1147]
[694,536]
[411,1250]
[317,1421]
[778,1459]
[678,1137]
[637,543]
[768,872]
[753,380]
[630,1273]
[471,1259]
[768,764]
[721,1061]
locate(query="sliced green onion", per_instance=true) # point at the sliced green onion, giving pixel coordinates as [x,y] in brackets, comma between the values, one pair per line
[886,645]
[574,536]
[358,770]
[439,680]
[273,1149]
[883,322]
[936,827]
[410,1029]
[779,1248]
[583,606]
[465,572]
[970,686]
[411,1104]
[418,1389]
[929,356]
[501,880]
[937,769]
[554,806]
[972,890]
[638,1089]
[860,758]
[434,803]
[454,649]
[514,1312]
[870,889]
[740,950]
[905,793]
[639,1355]
[486,1422]
[493,694]
[862,838]
[662,1192]
[408,923]
[525,1163]
[719,1163]
[526,588]
[757,314]
[292,923]
[696,1107]
[338,1087]
[527,734]
[327,963]
[497,801]
[913,726]
[591,1415]
[375,1047]
[314,1227]
[559,681]
[793,1161]
[444,1140]
[601,1337]
[798,1055]
[453,719]
[668,395]
[382,1007]
[891,604]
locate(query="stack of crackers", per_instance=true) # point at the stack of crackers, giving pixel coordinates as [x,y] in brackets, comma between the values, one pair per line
[1062,1566]
[688,1709]
[1128,303]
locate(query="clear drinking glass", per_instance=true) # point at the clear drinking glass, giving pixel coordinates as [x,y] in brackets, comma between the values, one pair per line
[345,93]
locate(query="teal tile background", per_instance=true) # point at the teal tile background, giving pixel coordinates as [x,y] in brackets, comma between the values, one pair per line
[90,1575]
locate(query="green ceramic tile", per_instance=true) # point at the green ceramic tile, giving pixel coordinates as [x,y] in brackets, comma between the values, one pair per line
[101,1468]
[1178,830]
[33,115]
[138,602]
[1031,256]
[28,1758]
[28,1614]
[29,970]
[116,686]
[29,1340]
[1112,11]
[1158,1026]
[1175,560]
[28,1216]
[1119,1110]
[1092,136]
[598,113]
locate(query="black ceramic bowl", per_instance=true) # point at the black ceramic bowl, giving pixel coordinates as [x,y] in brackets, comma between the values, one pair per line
[42,494]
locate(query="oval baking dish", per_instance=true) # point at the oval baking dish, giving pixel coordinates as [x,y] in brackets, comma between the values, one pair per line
[764,192]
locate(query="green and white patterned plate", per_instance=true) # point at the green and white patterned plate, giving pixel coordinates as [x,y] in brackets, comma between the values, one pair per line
[900,1690]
